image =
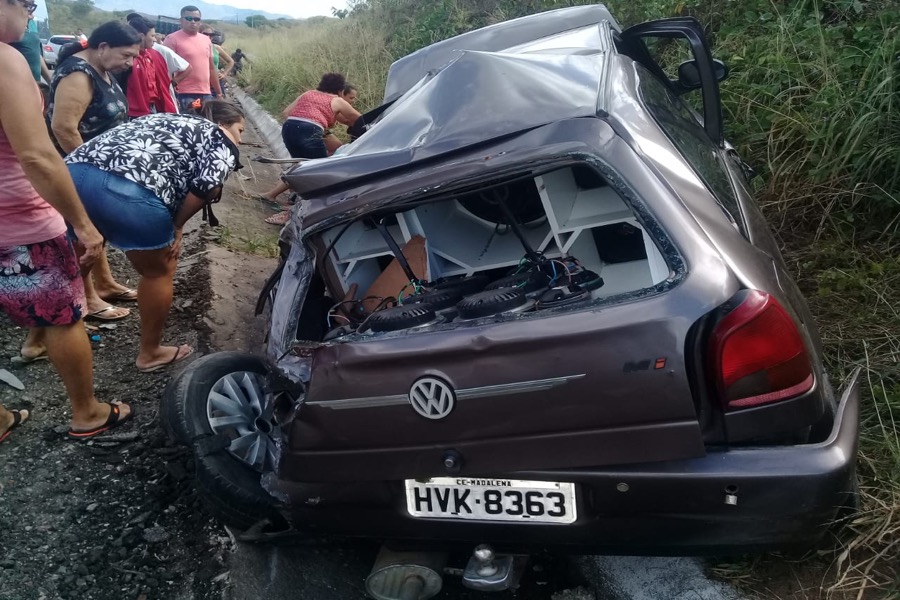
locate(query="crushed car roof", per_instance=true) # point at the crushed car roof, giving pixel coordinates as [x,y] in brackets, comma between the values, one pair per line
[506,36]
[480,86]
[481,96]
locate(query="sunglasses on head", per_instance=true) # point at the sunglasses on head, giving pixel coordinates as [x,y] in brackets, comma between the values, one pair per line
[30,7]
[192,19]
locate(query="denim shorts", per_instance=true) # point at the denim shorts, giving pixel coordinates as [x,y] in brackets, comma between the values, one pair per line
[127,214]
[303,140]
[40,284]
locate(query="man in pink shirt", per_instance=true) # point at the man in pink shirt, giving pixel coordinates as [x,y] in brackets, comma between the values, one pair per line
[202,81]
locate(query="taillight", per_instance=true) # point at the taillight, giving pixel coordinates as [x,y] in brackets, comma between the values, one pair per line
[48,48]
[758,354]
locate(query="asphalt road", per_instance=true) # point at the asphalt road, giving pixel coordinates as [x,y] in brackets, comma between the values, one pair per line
[291,573]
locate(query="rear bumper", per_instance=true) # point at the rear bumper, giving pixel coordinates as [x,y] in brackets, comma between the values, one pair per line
[786,496]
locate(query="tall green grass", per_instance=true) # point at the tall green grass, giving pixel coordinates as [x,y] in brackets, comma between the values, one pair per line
[288,61]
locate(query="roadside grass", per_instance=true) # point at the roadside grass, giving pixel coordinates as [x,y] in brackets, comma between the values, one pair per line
[258,244]
[812,103]
[854,292]
[291,60]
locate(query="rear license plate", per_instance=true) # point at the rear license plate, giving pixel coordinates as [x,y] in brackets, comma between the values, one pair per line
[482,499]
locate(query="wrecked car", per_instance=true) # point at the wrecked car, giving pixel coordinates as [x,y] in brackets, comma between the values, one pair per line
[534,305]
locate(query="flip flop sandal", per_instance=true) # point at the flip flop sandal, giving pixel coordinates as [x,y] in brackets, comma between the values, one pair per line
[129,295]
[18,419]
[178,357]
[98,315]
[21,359]
[279,219]
[114,419]
[273,204]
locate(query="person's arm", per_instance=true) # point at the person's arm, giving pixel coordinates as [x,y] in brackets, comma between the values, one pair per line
[191,206]
[180,75]
[214,75]
[21,119]
[344,111]
[73,95]
[45,72]
[225,60]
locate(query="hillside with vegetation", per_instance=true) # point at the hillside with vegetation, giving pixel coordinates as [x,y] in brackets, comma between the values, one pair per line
[813,104]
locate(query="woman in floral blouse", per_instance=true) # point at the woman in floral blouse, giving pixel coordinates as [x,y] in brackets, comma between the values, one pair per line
[140,183]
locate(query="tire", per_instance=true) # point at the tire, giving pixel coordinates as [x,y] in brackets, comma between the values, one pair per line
[218,405]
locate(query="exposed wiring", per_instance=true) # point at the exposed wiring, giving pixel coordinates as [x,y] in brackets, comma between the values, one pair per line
[417,288]
[331,312]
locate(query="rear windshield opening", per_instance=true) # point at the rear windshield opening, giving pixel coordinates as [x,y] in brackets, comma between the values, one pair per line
[563,238]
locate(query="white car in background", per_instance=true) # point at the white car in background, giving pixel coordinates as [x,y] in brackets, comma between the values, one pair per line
[52,47]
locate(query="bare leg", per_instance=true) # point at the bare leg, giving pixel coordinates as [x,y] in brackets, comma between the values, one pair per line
[272,195]
[35,343]
[70,353]
[7,420]
[94,301]
[157,269]
[332,143]
[104,282]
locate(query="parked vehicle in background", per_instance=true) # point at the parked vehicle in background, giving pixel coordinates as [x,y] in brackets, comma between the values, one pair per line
[561,323]
[52,47]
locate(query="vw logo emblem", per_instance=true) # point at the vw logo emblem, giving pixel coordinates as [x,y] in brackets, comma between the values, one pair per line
[432,398]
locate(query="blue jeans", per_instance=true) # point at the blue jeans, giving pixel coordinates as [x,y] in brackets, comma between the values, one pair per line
[303,140]
[128,215]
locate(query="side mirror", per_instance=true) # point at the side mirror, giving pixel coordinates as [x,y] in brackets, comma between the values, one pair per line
[689,75]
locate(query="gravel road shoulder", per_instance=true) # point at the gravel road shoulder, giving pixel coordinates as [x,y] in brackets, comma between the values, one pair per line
[118,518]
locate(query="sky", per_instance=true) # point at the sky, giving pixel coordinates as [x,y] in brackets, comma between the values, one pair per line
[294,8]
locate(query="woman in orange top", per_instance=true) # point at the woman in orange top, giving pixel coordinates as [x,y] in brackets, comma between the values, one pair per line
[306,125]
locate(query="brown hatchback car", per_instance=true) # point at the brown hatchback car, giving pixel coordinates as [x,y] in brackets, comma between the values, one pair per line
[533,305]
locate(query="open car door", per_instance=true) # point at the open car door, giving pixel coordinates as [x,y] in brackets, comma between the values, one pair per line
[701,72]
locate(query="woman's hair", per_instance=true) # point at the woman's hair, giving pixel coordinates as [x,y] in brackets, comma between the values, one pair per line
[115,34]
[349,87]
[140,24]
[332,83]
[221,112]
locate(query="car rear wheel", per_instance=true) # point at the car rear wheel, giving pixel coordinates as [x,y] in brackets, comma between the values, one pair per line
[219,406]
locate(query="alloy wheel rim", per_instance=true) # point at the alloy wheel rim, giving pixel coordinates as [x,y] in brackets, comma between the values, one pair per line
[239,408]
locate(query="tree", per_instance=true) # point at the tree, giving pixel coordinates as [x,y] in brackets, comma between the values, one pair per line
[255,21]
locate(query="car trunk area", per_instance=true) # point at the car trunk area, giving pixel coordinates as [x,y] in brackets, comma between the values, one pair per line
[523,323]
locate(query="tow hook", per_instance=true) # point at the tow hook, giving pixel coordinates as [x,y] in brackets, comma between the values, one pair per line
[488,572]
[406,575]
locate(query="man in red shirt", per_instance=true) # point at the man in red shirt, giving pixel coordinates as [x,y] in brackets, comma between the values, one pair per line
[202,81]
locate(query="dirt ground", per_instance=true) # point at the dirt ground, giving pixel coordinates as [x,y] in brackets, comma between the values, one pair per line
[118,518]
